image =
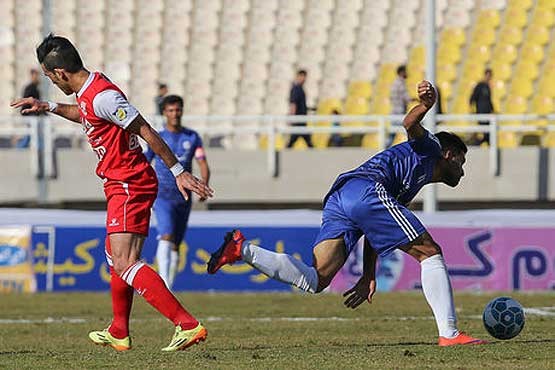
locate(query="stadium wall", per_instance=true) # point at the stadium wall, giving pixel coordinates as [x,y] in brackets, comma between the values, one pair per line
[302,176]
[485,250]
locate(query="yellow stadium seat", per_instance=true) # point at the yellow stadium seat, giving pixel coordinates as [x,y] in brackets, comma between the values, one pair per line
[381,105]
[505,53]
[361,89]
[417,55]
[549,140]
[499,89]
[543,105]
[538,34]
[446,92]
[447,72]
[516,17]
[516,105]
[522,5]
[356,105]
[532,52]
[484,37]
[501,70]
[522,87]
[546,4]
[507,140]
[456,36]
[449,53]
[370,141]
[527,69]
[511,35]
[489,17]
[479,52]
[462,106]
[547,86]
[327,106]
[543,17]
[280,142]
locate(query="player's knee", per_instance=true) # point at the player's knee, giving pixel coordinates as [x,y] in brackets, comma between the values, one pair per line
[121,264]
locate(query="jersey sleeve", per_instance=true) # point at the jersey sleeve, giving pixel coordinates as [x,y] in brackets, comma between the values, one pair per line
[200,154]
[111,105]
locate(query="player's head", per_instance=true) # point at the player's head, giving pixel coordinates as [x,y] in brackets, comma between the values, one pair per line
[301,76]
[402,71]
[35,76]
[454,151]
[162,89]
[488,74]
[172,109]
[60,61]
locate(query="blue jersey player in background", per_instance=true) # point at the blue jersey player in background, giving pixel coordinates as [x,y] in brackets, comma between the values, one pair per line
[371,201]
[170,208]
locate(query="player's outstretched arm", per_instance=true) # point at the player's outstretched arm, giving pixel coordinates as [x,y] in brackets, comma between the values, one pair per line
[366,286]
[68,111]
[427,97]
[185,180]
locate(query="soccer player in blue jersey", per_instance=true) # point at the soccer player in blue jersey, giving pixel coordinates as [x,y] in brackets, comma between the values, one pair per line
[171,209]
[371,201]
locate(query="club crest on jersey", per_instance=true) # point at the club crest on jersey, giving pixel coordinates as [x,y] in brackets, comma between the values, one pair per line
[120,114]
[186,145]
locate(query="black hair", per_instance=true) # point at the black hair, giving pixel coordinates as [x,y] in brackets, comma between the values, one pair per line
[301,72]
[172,99]
[488,71]
[401,68]
[162,85]
[450,141]
[58,52]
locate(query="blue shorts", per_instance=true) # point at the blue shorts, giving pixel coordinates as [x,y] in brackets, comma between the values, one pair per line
[172,218]
[363,207]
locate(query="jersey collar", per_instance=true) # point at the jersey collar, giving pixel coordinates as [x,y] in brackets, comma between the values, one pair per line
[86,84]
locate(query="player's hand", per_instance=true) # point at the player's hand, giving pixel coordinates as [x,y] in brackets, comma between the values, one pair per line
[362,291]
[186,181]
[33,105]
[427,93]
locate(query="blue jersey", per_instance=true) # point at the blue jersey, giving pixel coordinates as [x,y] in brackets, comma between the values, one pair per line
[402,169]
[186,145]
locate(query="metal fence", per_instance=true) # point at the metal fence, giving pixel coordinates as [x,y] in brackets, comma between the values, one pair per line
[43,131]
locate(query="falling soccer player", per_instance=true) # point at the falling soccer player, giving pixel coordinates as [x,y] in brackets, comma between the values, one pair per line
[371,200]
[113,126]
[171,208]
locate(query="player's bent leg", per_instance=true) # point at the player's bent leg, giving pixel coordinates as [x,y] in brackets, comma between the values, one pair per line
[329,256]
[280,266]
[437,290]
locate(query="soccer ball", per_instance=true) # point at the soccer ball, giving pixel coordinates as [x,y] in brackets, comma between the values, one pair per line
[503,318]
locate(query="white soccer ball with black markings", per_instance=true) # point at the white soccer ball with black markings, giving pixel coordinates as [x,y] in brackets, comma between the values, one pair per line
[503,318]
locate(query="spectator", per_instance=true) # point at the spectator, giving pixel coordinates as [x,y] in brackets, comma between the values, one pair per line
[481,97]
[31,90]
[336,139]
[162,92]
[400,99]
[297,106]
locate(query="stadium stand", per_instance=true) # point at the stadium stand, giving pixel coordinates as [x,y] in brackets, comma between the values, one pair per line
[238,57]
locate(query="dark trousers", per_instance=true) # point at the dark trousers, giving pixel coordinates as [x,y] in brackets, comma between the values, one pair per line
[485,139]
[293,138]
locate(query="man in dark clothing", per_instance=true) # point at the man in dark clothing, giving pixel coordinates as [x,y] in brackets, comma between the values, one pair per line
[162,92]
[481,96]
[32,89]
[297,106]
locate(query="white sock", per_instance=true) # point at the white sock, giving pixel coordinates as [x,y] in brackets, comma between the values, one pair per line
[281,267]
[174,261]
[163,258]
[437,290]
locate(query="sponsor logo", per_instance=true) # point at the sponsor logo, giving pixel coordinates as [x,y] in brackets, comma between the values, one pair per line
[120,114]
[11,255]
[114,222]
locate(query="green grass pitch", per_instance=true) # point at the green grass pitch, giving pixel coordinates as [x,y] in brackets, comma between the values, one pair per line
[270,331]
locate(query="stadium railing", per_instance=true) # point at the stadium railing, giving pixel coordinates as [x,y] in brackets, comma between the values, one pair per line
[44,130]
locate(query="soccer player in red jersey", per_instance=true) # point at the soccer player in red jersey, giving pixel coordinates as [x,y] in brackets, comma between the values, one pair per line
[113,126]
